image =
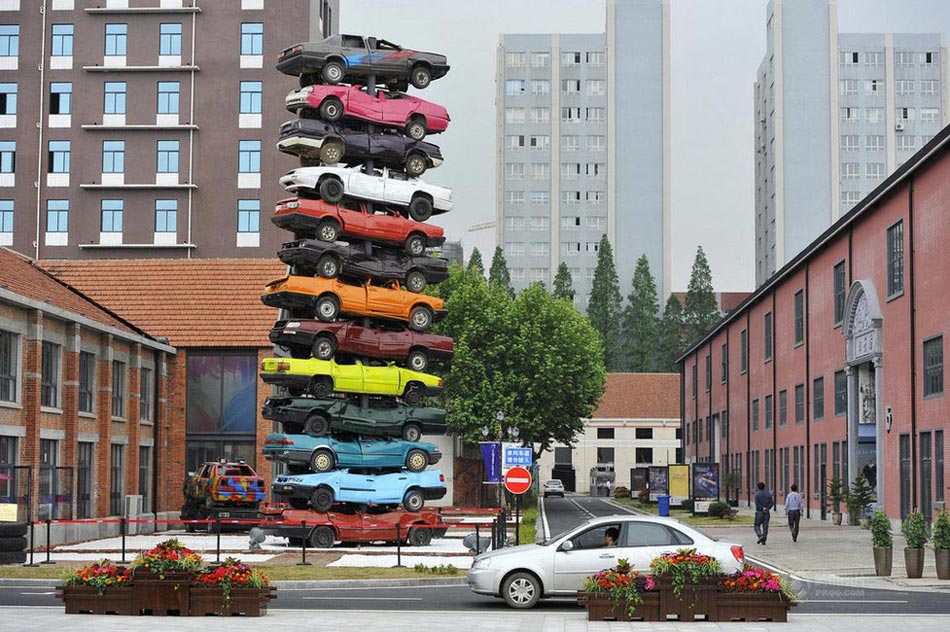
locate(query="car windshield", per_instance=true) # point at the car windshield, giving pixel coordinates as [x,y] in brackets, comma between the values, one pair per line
[557,536]
[553,483]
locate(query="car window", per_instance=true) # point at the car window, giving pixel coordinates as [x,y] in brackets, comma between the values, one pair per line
[592,538]
[351,41]
[650,534]
[680,537]
[398,175]
[351,205]
[384,45]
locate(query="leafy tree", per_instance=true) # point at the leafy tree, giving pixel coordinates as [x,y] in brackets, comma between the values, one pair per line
[498,273]
[459,277]
[672,338]
[563,283]
[475,262]
[701,311]
[603,308]
[641,324]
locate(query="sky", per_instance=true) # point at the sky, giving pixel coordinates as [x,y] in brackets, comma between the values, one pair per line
[716,47]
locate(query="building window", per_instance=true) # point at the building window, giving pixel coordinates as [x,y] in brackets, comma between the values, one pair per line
[644,433]
[755,415]
[166,216]
[116,482]
[874,142]
[540,170]
[605,456]
[87,381]
[167,160]
[895,259]
[514,116]
[724,363]
[849,199]
[540,197]
[116,35]
[874,86]
[118,389]
[847,58]
[743,351]
[9,40]
[6,216]
[799,403]
[540,60]
[571,86]
[9,345]
[695,381]
[848,87]
[799,317]
[8,92]
[874,115]
[514,248]
[252,38]
[145,477]
[906,143]
[933,366]
[168,93]
[596,58]
[644,456]
[539,115]
[49,482]
[514,60]
[929,87]
[49,377]
[113,156]
[938,466]
[221,393]
[874,170]
[850,170]
[708,372]
[514,86]
[84,479]
[60,98]
[514,142]
[929,115]
[841,393]
[850,142]
[111,216]
[595,87]
[768,405]
[170,39]
[57,216]
[768,337]
[251,97]
[782,408]
[114,102]
[62,40]
[605,433]
[7,156]
[818,398]
[840,289]
[249,216]
[570,58]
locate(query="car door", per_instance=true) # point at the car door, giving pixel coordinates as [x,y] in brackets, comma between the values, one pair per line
[394,341]
[379,452]
[396,108]
[383,380]
[348,525]
[354,51]
[387,59]
[643,541]
[375,529]
[349,452]
[362,104]
[398,189]
[368,185]
[352,218]
[588,556]
[348,377]
[388,226]
[357,488]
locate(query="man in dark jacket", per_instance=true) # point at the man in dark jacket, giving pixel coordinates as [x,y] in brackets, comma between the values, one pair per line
[763,505]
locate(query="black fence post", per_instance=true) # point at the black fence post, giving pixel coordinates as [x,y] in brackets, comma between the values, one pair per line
[517,519]
[122,533]
[217,530]
[477,544]
[32,546]
[398,546]
[48,543]
[303,560]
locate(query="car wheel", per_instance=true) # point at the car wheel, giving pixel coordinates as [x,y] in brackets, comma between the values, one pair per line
[324,347]
[418,360]
[412,395]
[328,266]
[331,110]
[322,460]
[411,432]
[415,281]
[321,499]
[420,318]
[321,387]
[417,460]
[331,152]
[420,77]
[332,72]
[415,245]
[317,426]
[331,190]
[413,500]
[327,308]
[416,129]
[420,208]
[419,536]
[297,503]
[416,165]
[322,538]
[328,231]
[521,590]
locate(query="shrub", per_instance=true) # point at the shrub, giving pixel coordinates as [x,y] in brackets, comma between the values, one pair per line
[915,530]
[685,566]
[719,510]
[644,496]
[858,499]
[942,531]
[687,504]
[881,531]
[621,492]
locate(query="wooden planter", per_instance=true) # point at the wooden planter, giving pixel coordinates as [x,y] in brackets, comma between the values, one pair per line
[696,603]
[603,607]
[87,600]
[155,596]
[247,602]
[705,601]
[752,607]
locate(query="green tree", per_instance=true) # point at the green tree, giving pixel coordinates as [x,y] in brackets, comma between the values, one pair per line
[475,262]
[563,283]
[498,273]
[672,339]
[603,308]
[701,311]
[459,277]
[641,324]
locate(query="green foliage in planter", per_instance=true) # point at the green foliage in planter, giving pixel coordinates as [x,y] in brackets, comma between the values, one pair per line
[881,531]
[941,533]
[719,510]
[685,566]
[858,498]
[915,530]
[836,493]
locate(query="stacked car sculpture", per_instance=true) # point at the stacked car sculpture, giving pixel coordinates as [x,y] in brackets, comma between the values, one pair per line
[355,321]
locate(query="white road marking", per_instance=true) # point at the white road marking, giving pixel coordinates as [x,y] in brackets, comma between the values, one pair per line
[364,598]
[853,601]
[52,592]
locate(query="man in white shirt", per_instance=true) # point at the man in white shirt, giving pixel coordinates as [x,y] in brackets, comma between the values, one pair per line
[793,509]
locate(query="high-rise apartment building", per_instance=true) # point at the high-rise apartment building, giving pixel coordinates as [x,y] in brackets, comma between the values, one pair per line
[145,128]
[834,115]
[583,148]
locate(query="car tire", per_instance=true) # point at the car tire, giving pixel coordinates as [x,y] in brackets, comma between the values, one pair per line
[331,190]
[322,460]
[420,77]
[333,72]
[416,129]
[13,529]
[420,318]
[321,499]
[417,460]
[412,395]
[413,500]
[331,110]
[420,209]
[327,308]
[331,152]
[12,544]
[416,165]
[317,426]
[324,347]
[415,245]
[416,282]
[419,536]
[411,432]
[521,590]
[328,266]
[328,231]
[322,537]
[321,387]
[12,557]
[418,360]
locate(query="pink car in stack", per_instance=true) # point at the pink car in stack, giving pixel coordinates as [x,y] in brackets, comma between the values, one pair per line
[416,117]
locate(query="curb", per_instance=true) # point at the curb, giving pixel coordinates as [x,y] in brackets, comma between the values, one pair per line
[294,584]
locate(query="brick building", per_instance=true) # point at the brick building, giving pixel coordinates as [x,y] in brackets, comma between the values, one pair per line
[835,363]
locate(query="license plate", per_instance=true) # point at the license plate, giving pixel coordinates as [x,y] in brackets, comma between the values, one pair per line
[224,514]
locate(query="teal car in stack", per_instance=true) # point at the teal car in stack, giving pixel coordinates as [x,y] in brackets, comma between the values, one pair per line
[323,454]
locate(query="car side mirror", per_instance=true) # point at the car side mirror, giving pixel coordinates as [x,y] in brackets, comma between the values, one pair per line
[567,546]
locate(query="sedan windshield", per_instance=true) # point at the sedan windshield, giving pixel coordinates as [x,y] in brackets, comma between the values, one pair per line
[557,536]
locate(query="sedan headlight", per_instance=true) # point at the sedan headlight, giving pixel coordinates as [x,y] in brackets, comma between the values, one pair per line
[481,564]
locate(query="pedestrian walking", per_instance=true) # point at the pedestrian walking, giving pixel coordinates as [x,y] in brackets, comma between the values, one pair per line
[763,505]
[793,509]
[608,489]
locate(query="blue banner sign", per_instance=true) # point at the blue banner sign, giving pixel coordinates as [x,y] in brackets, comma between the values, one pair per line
[492,460]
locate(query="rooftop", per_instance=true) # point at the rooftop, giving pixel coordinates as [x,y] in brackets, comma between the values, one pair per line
[640,396]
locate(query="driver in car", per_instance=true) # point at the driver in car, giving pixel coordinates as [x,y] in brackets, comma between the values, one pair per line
[611,535]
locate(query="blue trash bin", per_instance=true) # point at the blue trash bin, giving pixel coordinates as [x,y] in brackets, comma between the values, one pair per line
[663,505]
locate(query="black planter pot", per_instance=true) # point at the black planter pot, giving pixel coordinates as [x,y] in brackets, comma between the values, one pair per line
[942,558]
[914,562]
[883,561]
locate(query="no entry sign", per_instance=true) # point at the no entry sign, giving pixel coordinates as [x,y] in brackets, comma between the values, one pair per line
[517,480]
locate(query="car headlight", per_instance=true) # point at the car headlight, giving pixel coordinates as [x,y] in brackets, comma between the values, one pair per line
[482,564]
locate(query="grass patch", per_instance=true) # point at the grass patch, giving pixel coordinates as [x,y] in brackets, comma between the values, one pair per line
[527,530]
[686,517]
[275,573]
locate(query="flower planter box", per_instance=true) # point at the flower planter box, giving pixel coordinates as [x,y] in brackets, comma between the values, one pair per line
[758,606]
[247,602]
[603,607]
[87,600]
[156,596]
[696,603]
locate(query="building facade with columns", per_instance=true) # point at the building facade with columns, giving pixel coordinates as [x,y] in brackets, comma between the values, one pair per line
[835,365]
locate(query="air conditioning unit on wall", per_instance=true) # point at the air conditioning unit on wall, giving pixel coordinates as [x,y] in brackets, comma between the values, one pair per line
[899,127]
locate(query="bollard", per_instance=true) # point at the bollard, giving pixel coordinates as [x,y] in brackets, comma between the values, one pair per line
[31,564]
[398,546]
[477,543]
[122,533]
[303,561]
[48,545]
[217,529]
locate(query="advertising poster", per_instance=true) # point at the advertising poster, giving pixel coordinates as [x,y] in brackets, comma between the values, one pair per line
[679,483]
[706,481]
[659,481]
[639,477]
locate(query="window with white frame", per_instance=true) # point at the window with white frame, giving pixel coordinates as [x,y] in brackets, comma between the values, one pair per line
[541,142]
[57,160]
[904,87]
[570,222]
[874,115]
[850,170]
[907,142]
[167,156]
[113,156]
[111,216]
[596,170]
[595,87]
[169,40]
[570,143]
[537,275]
[514,248]
[514,197]
[540,197]
[9,40]
[539,248]
[850,115]
[874,86]
[596,197]
[848,87]
[905,58]
[61,42]
[540,222]
[49,375]
[517,274]
[145,397]
[249,156]
[514,115]
[514,141]
[252,38]
[848,58]
[874,142]
[6,217]
[929,57]
[874,170]
[596,223]
[540,86]
[8,94]
[514,170]
[569,58]
[249,216]
[8,156]
[849,199]
[571,86]
[570,248]
[850,142]
[514,60]
[874,58]
[570,115]
[539,115]
[905,115]
[116,40]
[929,87]
[57,216]
[597,143]
[114,97]
[118,389]
[929,115]
[591,248]
[60,98]
[926,138]
[251,97]
[166,216]
[514,86]
[596,115]
[540,59]
[514,222]
[596,58]
[540,171]
[590,273]
[570,198]
[570,170]
[168,97]
[9,352]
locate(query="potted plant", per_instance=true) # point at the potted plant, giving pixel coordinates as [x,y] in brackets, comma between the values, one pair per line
[941,537]
[730,481]
[619,593]
[882,544]
[859,502]
[915,532]
[101,588]
[836,495]
[754,594]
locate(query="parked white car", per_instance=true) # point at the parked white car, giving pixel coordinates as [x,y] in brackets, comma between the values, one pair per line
[522,575]
[553,487]
[386,186]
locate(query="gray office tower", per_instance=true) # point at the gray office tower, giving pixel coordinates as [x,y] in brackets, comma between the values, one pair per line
[583,148]
[834,115]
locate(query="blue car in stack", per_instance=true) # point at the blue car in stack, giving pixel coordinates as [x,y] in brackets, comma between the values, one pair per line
[411,489]
[323,454]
